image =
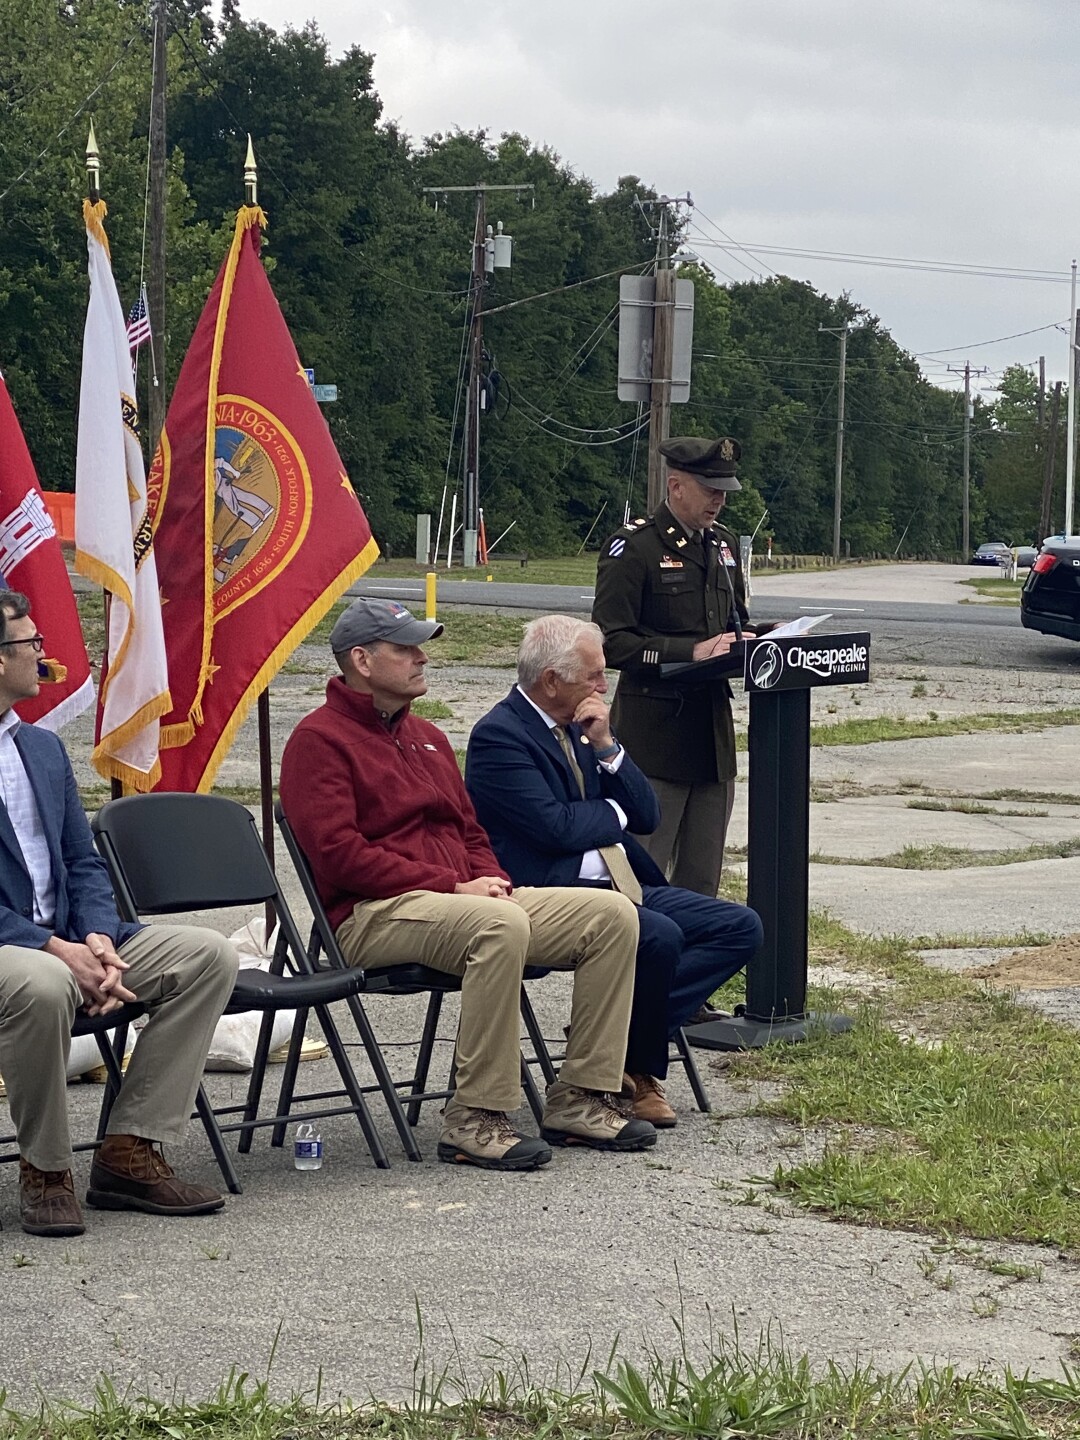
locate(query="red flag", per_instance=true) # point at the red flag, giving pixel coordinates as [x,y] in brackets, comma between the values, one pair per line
[31,561]
[257,530]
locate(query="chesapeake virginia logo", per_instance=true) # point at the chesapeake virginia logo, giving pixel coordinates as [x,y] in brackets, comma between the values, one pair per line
[790,663]
[766,664]
[827,660]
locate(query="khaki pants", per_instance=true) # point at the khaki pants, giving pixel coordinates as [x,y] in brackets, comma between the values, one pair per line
[184,974]
[489,943]
[688,844]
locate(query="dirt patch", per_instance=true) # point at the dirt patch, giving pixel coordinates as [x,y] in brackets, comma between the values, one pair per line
[1046,967]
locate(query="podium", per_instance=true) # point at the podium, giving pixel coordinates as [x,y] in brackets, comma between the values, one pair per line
[779,675]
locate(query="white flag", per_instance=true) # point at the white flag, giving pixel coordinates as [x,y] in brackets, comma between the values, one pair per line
[113,537]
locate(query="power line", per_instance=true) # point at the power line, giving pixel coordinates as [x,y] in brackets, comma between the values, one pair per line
[68,122]
[979,344]
[716,227]
[894,262]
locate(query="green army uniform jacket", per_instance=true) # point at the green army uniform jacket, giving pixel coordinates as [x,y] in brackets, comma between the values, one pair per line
[658,592]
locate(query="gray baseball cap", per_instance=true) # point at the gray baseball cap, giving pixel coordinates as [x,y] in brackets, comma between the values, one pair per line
[369,619]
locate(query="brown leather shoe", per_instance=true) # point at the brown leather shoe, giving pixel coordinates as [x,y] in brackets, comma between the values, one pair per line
[704,1013]
[47,1204]
[128,1173]
[650,1103]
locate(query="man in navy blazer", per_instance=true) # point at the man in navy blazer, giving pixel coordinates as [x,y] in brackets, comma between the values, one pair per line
[63,946]
[555,792]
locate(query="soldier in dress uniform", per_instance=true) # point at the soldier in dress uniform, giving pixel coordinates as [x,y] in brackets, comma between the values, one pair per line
[667,591]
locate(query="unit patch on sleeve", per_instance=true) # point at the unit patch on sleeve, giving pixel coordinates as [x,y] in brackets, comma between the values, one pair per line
[617,546]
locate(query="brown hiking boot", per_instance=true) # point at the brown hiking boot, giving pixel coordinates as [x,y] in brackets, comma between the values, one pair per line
[128,1173]
[47,1204]
[487,1139]
[589,1117]
[650,1103]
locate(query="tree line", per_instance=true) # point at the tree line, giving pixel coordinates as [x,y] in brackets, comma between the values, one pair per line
[373,279]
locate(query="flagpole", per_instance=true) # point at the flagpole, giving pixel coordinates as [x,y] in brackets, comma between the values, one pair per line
[93,190]
[266,768]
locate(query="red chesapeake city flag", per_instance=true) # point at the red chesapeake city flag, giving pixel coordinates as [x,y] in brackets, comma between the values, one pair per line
[32,562]
[113,542]
[257,527]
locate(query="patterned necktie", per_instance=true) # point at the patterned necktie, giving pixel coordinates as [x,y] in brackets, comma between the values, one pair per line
[614,856]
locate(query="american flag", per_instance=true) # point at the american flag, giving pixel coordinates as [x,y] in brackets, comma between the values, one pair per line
[138,323]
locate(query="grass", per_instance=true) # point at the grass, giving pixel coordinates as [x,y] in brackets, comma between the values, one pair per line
[946,1108]
[929,797]
[972,807]
[470,638]
[1002,592]
[91,607]
[955,857]
[478,638]
[730,1391]
[94,796]
[556,570]
[886,727]
[431,709]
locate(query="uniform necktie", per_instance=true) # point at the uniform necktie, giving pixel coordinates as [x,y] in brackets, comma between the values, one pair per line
[614,856]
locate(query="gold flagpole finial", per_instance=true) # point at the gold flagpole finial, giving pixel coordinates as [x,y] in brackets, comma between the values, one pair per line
[93,165]
[251,176]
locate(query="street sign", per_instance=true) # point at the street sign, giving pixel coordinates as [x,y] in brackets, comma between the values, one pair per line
[325,394]
[636,296]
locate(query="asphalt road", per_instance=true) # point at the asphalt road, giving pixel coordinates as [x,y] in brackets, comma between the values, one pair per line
[901,630]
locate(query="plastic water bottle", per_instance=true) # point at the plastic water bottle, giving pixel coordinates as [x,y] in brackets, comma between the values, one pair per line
[307,1147]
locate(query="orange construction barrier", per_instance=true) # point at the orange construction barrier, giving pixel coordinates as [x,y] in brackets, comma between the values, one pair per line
[61,506]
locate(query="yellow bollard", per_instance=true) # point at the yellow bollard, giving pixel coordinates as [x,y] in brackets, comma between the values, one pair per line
[429,595]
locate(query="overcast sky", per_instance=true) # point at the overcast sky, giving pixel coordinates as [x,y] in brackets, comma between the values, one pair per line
[926,130]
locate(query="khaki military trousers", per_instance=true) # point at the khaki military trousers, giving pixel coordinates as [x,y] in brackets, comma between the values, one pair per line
[489,943]
[688,844]
[184,974]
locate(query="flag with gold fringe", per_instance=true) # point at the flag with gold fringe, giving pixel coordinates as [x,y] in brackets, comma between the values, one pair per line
[113,542]
[256,525]
[32,562]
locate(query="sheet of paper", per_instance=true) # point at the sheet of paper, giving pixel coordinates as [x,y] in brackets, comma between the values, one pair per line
[796,627]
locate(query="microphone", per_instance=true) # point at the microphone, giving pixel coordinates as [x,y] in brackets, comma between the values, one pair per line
[736,622]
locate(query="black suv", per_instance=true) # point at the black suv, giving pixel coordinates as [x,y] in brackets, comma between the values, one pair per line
[1050,599]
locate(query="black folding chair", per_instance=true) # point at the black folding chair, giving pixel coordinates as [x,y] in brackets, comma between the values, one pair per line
[173,853]
[116,1023]
[393,980]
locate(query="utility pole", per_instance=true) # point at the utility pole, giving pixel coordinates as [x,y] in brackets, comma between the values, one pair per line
[489,253]
[1070,451]
[471,510]
[1049,455]
[155,289]
[663,331]
[662,347]
[838,484]
[967,372]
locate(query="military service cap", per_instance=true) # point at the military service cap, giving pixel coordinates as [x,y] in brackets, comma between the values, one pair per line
[712,462]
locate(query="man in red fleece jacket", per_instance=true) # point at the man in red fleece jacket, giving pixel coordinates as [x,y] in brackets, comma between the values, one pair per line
[408,876]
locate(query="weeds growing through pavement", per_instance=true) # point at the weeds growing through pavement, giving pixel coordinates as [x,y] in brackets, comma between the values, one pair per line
[946,1107]
[720,1388]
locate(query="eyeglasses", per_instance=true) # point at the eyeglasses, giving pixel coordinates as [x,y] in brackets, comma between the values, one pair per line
[37,641]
